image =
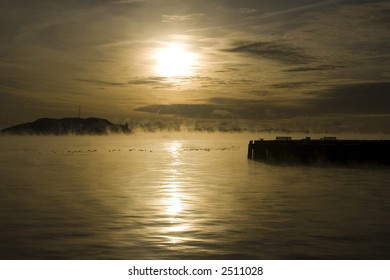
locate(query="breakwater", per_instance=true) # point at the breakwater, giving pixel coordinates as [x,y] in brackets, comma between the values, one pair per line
[324,150]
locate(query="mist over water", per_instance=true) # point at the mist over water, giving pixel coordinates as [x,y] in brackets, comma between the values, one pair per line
[193,196]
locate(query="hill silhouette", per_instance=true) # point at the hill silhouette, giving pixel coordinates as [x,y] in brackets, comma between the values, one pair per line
[78,126]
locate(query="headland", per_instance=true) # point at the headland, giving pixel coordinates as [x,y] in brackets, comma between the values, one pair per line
[76,126]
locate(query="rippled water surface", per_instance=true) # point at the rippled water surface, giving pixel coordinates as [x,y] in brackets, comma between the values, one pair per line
[192,197]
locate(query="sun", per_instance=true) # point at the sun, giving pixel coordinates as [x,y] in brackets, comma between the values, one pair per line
[174,60]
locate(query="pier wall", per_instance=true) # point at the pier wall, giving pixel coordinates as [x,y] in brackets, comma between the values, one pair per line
[312,151]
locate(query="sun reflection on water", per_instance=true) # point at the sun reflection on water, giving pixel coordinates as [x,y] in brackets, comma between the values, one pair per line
[175,207]
[174,148]
[173,202]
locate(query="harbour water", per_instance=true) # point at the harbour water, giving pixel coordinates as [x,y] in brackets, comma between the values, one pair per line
[183,197]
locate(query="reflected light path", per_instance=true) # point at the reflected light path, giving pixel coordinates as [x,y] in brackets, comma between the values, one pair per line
[175,208]
[174,204]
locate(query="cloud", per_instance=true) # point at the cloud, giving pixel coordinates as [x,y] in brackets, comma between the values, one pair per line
[280,51]
[187,110]
[217,108]
[127,1]
[10,84]
[221,113]
[247,11]
[179,18]
[100,82]
[261,93]
[180,82]
[147,81]
[253,108]
[284,10]
[382,17]
[348,100]
[313,68]
[292,85]
[359,98]
[153,82]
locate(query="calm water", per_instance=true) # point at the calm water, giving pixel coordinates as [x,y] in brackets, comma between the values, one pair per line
[188,197]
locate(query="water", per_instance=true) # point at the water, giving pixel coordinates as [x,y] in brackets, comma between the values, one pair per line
[182,197]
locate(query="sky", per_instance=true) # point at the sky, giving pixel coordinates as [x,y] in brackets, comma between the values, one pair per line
[249,64]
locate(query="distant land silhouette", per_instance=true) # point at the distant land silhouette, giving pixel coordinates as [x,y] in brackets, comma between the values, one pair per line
[78,126]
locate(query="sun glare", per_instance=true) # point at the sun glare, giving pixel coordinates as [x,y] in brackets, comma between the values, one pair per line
[174,60]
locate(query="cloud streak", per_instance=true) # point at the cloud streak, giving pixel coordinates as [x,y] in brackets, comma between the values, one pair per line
[179,18]
[99,82]
[279,51]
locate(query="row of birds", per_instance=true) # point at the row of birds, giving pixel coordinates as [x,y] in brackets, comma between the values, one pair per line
[147,150]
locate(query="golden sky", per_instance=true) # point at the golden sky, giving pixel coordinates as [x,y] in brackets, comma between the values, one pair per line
[278,64]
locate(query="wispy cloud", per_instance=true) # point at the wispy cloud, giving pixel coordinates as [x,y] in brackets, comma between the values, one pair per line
[356,98]
[153,82]
[280,51]
[187,110]
[100,82]
[179,18]
[291,85]
[313,68]
[247,11]
[128,1]
[147,80]
[305,7]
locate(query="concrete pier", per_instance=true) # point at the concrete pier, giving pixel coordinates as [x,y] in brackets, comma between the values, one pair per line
[324,150]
